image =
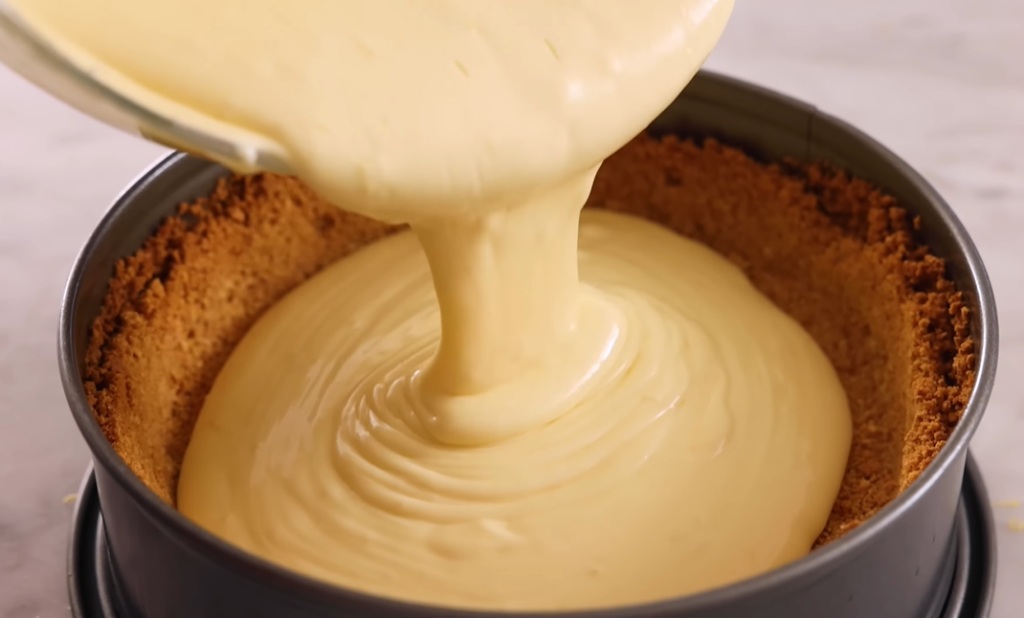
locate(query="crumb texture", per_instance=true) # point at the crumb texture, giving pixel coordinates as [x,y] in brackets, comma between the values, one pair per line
[177,308]
[839,256]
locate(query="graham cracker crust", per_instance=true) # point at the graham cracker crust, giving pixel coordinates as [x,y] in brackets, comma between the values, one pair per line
[832,251]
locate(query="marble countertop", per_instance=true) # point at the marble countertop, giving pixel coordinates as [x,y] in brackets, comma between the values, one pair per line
[941,82]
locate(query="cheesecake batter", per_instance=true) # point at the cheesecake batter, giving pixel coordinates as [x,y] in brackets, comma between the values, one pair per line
[450,416]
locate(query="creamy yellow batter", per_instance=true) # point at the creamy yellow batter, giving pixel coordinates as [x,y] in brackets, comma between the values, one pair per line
[705,443]
[450,416]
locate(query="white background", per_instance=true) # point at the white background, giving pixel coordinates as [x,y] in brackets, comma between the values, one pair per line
[941,82]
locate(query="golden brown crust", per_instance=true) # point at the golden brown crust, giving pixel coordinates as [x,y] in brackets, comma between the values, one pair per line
[832,251]
[176,308]
[840,257]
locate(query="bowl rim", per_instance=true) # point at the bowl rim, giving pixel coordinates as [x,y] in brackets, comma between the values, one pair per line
[815,564]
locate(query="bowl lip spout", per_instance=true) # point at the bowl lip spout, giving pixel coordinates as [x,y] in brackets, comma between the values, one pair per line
[751,100]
